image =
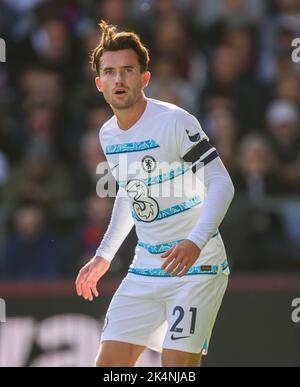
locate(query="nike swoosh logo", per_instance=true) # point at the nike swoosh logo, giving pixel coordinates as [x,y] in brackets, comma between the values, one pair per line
[179,337]
[194,138]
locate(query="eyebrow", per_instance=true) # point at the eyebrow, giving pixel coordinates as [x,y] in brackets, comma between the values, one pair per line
[122,67]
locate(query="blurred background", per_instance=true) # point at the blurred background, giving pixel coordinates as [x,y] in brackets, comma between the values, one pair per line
[229,63]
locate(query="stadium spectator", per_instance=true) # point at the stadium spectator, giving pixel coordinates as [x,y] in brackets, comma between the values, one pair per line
[226,77]
[165,78]
[221,125]
[31,251]
[282,119]
[39,178]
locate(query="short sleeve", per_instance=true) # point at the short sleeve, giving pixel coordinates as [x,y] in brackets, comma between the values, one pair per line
[188,132]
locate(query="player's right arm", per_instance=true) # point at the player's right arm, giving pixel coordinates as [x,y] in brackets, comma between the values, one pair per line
[119,227]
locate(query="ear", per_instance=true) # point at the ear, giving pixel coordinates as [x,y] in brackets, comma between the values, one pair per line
[146,78]
[98,83]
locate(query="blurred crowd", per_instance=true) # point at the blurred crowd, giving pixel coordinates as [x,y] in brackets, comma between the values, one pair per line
[228,62]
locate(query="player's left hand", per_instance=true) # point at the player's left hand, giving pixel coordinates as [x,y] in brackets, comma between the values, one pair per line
[180,258]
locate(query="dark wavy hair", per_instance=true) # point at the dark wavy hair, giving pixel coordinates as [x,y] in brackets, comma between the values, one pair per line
[112,40]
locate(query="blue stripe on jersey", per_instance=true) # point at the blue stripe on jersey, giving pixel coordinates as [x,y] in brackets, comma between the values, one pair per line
[194,270]
[162,177]
[163,247]
[158,249]
[131,147]
[174,210]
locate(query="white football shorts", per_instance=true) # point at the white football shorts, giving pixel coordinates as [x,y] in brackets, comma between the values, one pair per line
[176,313]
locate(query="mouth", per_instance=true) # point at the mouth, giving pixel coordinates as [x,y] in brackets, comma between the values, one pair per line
[120,92]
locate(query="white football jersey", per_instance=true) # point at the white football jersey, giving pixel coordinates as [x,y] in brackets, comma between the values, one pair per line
[165,196]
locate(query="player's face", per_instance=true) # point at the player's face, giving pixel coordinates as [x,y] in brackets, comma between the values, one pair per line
[121,80]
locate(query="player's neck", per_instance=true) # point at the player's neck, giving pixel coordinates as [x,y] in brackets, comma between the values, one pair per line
[128,117]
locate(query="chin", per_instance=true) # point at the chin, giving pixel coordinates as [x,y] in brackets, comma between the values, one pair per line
[122,105]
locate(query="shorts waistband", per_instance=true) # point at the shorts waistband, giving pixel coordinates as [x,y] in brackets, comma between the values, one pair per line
[195,270]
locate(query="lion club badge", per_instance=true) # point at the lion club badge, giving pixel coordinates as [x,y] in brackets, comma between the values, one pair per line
[148,164]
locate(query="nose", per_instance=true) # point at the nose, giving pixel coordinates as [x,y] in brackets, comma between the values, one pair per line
[119,78]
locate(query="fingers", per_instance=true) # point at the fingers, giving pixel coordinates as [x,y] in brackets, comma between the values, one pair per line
[166,253]
[78,287]
[171,256]
[185,270]
[178,260]
[169,259]
[94,289]
[89,289]
[80,280]
[181,266]
[173,265]
[86,286]
[175,261]
[85,290]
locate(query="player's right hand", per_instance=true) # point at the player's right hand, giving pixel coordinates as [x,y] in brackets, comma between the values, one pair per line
[89,275]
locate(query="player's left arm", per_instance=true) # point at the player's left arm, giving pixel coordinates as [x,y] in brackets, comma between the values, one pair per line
[220,192]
